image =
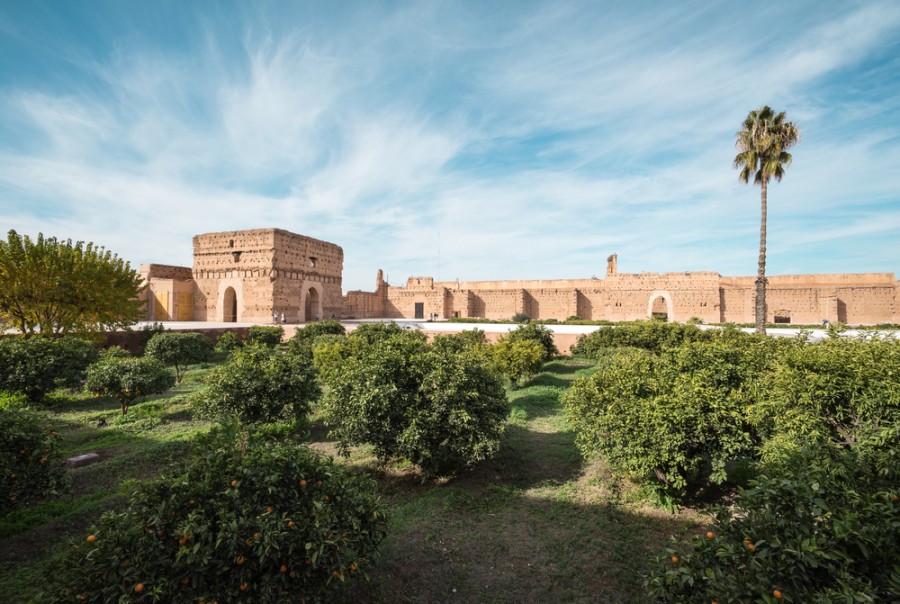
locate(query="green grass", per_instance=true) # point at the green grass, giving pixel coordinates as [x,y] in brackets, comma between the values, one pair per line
[536,523]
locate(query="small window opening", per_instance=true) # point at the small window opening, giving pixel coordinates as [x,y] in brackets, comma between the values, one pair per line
[312,261]
[236,256]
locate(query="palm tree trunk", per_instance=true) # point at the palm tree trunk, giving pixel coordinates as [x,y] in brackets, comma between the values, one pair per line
[761,274]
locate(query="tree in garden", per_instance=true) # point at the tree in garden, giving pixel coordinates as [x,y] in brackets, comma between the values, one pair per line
[438,408]
[35,366]
[56,287]
[179,350]
[250,518]
[535,332]
[30,467]
[269,335]
[762,145]
[259,384]
[126,379]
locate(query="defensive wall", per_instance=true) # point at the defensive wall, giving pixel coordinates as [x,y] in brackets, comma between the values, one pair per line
[860,299]
[247,276]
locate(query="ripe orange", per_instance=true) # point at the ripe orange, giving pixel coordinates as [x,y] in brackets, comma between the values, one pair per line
[319,482]
[710,535]
[293,574]
[182,541]
[138,588]
[749,545]
[256,535]
[777,594]
[291,524]
[240,560]
[234,483]
[269,509]
[244,587]
[302,484]
[91,538]
[353,567]
[675,560]
[283,568]
[12,475]
[43,460]
[895,498]
[335,574]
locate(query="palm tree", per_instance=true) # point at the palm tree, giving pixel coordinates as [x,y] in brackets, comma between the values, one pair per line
[762,144]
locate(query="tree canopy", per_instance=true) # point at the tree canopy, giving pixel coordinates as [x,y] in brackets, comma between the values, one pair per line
[57,287]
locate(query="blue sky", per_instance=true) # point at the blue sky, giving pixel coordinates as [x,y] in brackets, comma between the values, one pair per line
[470,140]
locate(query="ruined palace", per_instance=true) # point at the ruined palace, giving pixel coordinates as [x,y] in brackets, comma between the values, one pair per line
[246,276]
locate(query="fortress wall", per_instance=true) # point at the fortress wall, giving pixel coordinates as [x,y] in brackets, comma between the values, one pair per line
[497,304]
[360,305]
[591,303]
[514,284]
[550,303]
[401,302]
[165,271]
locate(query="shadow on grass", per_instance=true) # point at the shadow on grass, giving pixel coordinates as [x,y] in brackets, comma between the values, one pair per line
[496,546]
[567,366]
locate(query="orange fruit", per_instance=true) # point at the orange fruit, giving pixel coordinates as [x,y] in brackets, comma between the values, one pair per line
[895,498]
[12,475]
[302,484]
[269,509]
[675,560]
[777,594]
[138,588]
[244,587]
[43,460]
[335,574]
[293,574]
[240,560]
[234,483]
[91,538]
[291,524]
[308,562]
[192,502]
[353,567]
[256,535]
[319,482]
[715,602]
[283,568]
[710,534]
[182,541]
[327,498]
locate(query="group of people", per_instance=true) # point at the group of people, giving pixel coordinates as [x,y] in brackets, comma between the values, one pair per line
[275,318]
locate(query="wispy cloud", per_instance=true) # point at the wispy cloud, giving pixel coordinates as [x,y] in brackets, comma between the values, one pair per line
[479,141]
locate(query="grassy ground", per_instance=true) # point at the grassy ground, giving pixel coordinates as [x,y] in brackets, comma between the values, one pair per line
[536,523]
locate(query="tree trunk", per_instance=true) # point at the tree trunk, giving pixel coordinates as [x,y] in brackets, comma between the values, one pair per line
[761,274]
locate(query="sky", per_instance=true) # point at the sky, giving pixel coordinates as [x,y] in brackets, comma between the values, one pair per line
[461,140]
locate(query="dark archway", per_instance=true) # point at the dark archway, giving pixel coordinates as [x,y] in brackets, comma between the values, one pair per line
[659,309]
[229,306]
[313,310]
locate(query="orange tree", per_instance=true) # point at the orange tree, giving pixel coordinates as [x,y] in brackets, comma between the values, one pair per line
[127,378]
[825,528]
[179,350]
[437,408]
[36,366]
[248,518]
[30,465]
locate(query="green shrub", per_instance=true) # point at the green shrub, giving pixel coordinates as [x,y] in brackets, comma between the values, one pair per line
[468,340]
[246,519]
[30,464]
[126,379]
[35,366]
[147,331]
[305,338]
[826,530]
[437,408]
[267,335]
[228,342]
[179,349]
[114,352]
[672,420]
[536,333]
[827,392]
[649,335]
[521,317]
[259,384]
[517,360]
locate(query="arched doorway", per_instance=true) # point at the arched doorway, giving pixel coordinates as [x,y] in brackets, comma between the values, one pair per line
[229,306]
[660,306]
[313,310]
